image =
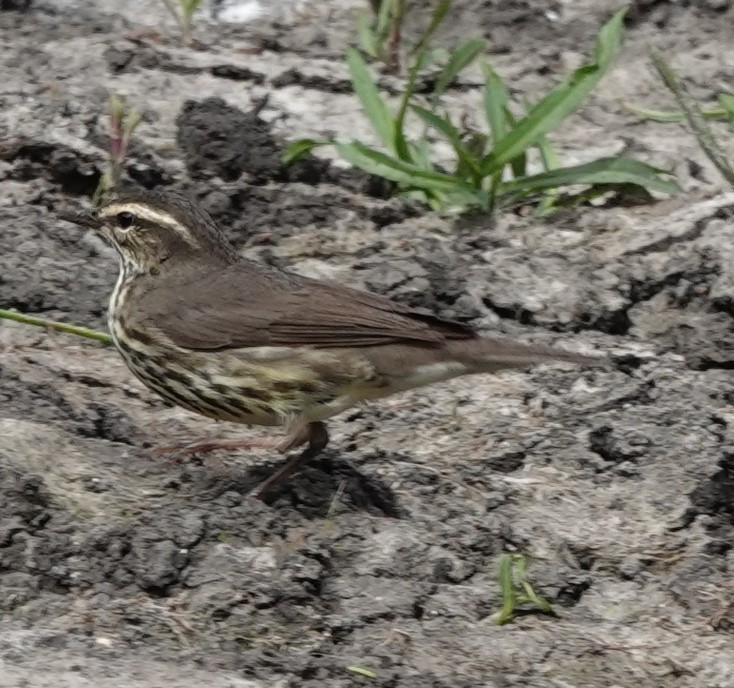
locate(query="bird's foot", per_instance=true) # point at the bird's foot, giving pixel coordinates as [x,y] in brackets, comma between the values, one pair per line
[313,434]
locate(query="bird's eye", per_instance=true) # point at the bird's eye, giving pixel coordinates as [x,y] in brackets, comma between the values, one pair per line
[125,220]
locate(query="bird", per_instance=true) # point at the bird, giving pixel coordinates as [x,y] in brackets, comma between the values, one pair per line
[227,337]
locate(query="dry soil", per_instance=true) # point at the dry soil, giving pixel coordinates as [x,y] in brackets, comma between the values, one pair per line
[121,570]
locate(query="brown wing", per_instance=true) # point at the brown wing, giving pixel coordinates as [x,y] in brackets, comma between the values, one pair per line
[245,305]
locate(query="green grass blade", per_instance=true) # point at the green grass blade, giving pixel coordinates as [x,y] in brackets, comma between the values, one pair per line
[463,197]
[189,7]
[441,189]
[551,162]
[602,171]
[560,102]
[396,170]
[500,119]
[461,58]
[386,15]
[300,148]
[366,35]
[507,588]
[55,325]
[439,14]
[666,116]
[548,155]
[444,127]
[420,153]
[373,105]
[130,123]
[420,50]
[495,103]
[519,164]
[530,594]
[512,569]
[663,116]
[361,671]
[726,100]
[533,597]
[497,112]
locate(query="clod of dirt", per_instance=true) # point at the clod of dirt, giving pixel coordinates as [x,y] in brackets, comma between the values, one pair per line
[220,140]
[18,5]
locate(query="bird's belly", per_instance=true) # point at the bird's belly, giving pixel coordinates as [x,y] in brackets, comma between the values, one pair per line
[193,391]
[253,392]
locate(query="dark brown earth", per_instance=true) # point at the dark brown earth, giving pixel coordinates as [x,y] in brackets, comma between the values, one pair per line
[118,569]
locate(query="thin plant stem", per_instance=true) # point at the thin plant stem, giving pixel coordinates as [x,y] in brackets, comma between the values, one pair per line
[418,52]
[55,325]
[395,37]
[171,7]
[695,118]
[182,13]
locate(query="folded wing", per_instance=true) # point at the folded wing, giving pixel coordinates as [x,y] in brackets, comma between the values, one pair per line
[245,305]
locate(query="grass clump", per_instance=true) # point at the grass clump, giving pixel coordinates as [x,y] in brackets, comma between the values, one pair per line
[516,590]
[490,167]
[123,121]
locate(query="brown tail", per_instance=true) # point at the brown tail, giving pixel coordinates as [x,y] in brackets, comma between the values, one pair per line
[489,354]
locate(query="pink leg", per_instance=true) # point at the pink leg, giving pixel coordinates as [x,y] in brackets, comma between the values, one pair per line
[313,434]
[183,450]
[317,437]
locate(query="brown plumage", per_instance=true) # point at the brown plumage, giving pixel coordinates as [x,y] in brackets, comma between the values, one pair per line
[235,340]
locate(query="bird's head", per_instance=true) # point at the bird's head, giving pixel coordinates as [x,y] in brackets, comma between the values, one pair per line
[153,232]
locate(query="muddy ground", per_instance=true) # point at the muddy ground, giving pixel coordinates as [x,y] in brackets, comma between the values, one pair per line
[119,569]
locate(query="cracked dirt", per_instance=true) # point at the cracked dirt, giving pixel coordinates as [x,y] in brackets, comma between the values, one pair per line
[120,569]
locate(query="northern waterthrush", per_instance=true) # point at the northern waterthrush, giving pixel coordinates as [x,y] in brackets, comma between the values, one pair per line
[235,340]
